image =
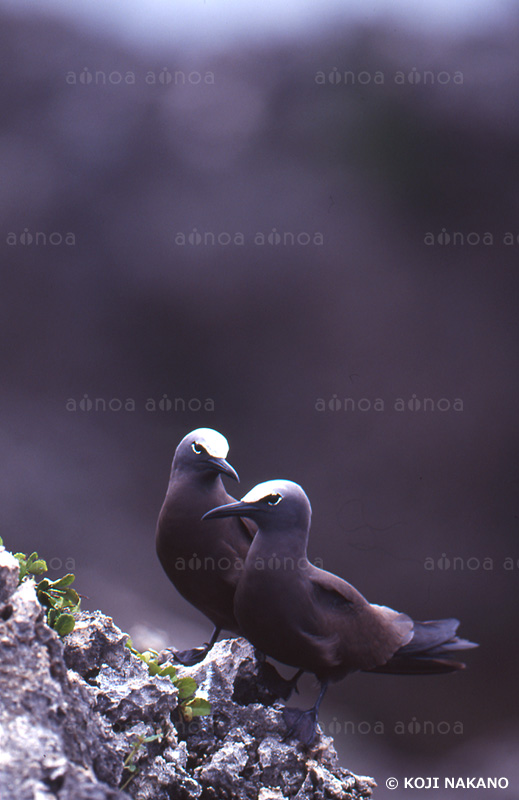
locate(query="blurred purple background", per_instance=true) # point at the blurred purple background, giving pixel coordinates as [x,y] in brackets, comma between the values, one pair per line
[103,178]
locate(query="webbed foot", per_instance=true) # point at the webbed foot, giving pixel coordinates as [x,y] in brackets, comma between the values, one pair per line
[302,725]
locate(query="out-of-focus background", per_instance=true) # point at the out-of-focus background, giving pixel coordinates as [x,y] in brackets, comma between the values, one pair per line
[301,229]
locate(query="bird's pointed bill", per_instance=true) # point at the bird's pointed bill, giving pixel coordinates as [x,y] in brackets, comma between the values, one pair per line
[238,509]
[223,466]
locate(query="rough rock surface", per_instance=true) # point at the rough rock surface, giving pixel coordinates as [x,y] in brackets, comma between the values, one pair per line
[71,712]
[52,745]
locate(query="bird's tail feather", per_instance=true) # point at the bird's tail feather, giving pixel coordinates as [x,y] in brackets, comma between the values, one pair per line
[420,656]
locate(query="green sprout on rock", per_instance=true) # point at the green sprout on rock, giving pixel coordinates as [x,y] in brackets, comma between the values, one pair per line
[60,600]
[190,706]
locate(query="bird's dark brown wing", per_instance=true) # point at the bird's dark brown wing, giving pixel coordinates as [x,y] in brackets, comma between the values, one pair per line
[334,591]
[363,633]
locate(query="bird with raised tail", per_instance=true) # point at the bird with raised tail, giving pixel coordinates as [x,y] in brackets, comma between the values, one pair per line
[312,619]
[202,560]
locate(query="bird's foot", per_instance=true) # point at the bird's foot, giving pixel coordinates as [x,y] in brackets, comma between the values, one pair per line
[188,658]
[302,725]
[275,683]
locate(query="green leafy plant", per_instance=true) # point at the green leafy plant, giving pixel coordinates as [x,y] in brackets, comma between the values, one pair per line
[62,602]
[190,706]
[58,597]
[30,565]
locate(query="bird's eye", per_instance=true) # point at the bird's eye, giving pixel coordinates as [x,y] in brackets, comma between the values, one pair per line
[274,499]
[197,448]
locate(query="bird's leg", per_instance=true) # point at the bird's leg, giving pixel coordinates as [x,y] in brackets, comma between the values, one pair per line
[214,638]
[273,681]
[188,658]
[292,683]
[302,724]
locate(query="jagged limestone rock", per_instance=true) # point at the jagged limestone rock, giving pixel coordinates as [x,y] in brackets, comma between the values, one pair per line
[239,749]
[8,575]
[71,712]
[51,740]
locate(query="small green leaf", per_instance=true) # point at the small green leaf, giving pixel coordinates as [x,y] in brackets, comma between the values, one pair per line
[22,561]
[65,581]
[38,567]
[45,598]
[71,597]
[186,687]
[52,616]
[168,672]
[198,707]
[1,542]
[64,624]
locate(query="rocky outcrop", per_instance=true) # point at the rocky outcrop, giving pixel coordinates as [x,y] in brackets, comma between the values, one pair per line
[82,717]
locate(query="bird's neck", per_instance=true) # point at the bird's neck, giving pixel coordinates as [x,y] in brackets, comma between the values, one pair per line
[201,481]
[268,546]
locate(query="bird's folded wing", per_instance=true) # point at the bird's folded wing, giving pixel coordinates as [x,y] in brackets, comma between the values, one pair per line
[334,591]
[368,634]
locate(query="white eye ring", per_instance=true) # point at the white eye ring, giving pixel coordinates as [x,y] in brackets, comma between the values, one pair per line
[274,499]
[197,448]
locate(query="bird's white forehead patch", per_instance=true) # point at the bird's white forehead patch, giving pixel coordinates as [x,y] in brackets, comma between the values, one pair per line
[266,488]
[215,444]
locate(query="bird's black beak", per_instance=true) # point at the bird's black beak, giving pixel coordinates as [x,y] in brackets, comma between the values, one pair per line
[223,466]
[238,509]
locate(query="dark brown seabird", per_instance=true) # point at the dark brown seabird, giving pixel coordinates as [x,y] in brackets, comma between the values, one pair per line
[201,559]
[312,619]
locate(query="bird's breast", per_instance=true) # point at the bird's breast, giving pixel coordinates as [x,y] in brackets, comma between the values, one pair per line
[203,559]
[275,614]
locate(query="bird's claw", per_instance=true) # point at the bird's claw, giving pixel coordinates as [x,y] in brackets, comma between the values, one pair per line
[188,658]
[302,725]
